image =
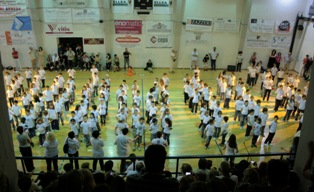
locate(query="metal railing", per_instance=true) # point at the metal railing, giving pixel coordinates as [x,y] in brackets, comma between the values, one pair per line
[177,158]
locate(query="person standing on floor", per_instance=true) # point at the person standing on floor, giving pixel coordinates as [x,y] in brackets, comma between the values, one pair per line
[239,60]
[194,59]
[213,57]
[287,59]
[41,58]
[126,55]
[51,150]
[25,148]
[231,148]
[173,56]
[15,56]
[32,56]
[123,143]
[272,59]
[74,147]
[272,131]
[97,148]
[70,56]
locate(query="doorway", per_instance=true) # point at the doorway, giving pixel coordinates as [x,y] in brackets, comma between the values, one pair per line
[73,42]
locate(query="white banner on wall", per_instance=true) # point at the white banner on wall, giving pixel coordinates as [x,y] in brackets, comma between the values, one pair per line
[58,29]
[162,7]
[3,40]
[122,6]
[280,41]
[197,38]
[12,2]
[226,25]
[17,38]
[284,26]
[70,3]
[199,25]
[9,8]
[262,25]
[86,15]
[123,41]
[57,15]
[257,41]
[159,26]
[159,41]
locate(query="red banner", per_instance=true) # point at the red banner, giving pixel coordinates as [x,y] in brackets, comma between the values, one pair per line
[133,27]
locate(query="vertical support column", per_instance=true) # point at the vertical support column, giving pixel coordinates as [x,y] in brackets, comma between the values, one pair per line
[306,136]
[178,11]
[7,156]
[245,17]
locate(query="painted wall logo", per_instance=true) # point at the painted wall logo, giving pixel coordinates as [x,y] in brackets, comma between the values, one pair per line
[128,39]
[121,2]
[58,29]
[199,22]
[162,3]
[154,39]
[284,26]
[159,28]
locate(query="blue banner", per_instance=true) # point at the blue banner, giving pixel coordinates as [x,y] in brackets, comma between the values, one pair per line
[22,23]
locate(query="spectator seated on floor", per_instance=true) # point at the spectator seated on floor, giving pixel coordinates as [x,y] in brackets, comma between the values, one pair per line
[138,169]
[149,66]
[225,176]
[186,169]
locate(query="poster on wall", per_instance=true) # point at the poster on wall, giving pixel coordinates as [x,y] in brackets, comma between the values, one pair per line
[164,7]
[12,10]
[198,38]
[159,41]
[17,38]
[85,15]
[70,3]
[122,6]
[123,41]
[58,29]
[262,25]
[3,40]
[257,41]
[159,27]
[128,27]
[22,23]
[280,41]
[284,26]
[199,25]
[226,25]
[57,15]
[94,41]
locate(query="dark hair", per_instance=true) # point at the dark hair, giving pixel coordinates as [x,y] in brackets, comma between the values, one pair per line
[277,172]
[232,141]
[20,129]
[68,167]
[186,168]
[24,183]
[71,134]
[95,134]
[169,122]
[155,157]
[125,131]
[202,163]
[108,166]
[158,134]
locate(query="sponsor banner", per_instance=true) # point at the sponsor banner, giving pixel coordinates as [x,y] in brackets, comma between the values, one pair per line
[57,15]
[70,3]
[198,38]
[17,38]
[58,29]
[257,41]
[159,26]
[122,6]
[262,25]
[12,10]
[284,26]
[226,25]
[86,15]
[280,41]
[162,7]
[200,25]
[22,23]
[94,41]
[128,27]
[128,41]
[159,41]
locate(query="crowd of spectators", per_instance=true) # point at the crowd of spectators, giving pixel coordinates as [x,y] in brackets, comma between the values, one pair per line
[150,175]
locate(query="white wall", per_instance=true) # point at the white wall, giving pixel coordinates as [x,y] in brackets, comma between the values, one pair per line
[227,43]
[276,10]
